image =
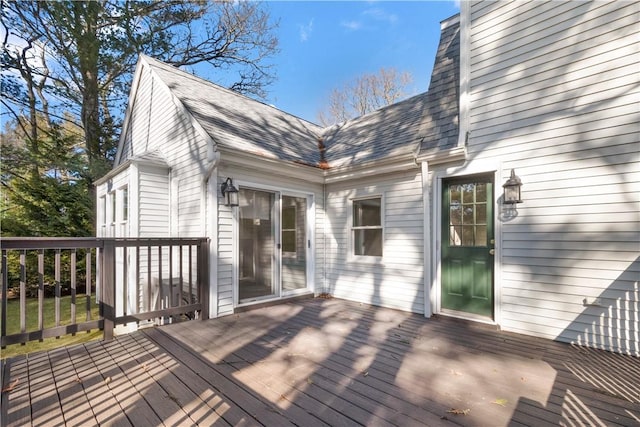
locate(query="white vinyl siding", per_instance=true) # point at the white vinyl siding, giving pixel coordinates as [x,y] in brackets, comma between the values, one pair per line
[153,202]
[157,124]
[554,94]
[396,279]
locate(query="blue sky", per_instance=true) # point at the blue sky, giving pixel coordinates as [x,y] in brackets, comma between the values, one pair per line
[326,44]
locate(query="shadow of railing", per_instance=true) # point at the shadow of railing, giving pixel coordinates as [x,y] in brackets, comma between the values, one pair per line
[602,362]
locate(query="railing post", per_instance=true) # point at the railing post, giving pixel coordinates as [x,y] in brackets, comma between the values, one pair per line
[203,276]
[108,285]
[5,288]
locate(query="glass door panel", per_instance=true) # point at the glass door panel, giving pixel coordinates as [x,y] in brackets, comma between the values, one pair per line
[256,245]
[294,243]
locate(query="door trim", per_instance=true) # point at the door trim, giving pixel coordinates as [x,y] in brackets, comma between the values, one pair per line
[480,168]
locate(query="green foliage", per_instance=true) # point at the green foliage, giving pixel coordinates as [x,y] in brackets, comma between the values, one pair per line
[67,68]
[43,188]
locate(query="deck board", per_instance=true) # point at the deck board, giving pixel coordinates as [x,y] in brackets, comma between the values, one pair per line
[323,362]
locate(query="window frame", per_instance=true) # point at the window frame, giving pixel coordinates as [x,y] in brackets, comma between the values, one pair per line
[353,228]
[124,204]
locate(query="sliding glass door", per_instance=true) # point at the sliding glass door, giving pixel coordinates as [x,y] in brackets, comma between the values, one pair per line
[273,244]
[257,245]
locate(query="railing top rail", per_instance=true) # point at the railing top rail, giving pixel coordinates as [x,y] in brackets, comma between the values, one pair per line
[49,242]
[154,241]
[10,243]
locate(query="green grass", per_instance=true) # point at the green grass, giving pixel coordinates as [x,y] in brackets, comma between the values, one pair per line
[13,323]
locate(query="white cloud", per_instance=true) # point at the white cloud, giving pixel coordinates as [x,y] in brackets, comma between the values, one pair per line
[380,14]
[351,25]
[305,31]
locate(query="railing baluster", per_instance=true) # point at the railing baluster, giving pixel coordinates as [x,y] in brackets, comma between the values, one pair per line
[125,283]
[5,282]
[57,286]
[108,284]
[203,277]
[73,286]
[88,258]
[190,274]
[171,302]
[23,291]
[149,296]
[40,289]
[160,292]
[181,279]
[138,304]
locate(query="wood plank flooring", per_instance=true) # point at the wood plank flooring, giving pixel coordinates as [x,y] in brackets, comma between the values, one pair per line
[322,362]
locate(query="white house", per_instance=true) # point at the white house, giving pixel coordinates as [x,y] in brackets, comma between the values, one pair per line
[404,207]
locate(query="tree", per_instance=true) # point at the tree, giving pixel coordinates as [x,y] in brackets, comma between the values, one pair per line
[79,57]
[43,191]
[365,94]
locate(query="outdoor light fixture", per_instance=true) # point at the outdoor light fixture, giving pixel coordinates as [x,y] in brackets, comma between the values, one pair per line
[229,192]
[512,189]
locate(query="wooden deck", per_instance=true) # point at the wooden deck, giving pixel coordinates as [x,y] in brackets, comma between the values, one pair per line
[322,362]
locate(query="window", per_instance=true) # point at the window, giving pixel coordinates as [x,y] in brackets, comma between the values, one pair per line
[125,204]
[112,198]
[102,218]
[367,227]
[289,229]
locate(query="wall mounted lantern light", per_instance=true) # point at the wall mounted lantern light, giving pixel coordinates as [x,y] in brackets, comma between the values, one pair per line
[230,193]
[512,189]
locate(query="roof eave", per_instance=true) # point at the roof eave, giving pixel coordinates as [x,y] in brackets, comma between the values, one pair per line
[371,168]
[439,156]
[275,166]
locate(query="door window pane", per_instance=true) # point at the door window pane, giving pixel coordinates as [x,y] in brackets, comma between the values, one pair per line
[468,214]
[289,229]
[481,235]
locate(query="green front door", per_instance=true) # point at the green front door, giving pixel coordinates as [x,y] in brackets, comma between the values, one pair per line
[467,245]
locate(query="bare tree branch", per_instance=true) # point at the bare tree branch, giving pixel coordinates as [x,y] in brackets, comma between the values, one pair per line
[365,94]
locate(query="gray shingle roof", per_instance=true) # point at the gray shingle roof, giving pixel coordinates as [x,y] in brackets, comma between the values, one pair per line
[425,122]
[241,123]
[387,132]
[439,128]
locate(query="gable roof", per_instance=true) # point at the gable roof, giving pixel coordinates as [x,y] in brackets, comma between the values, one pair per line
[238,122]
[422,123]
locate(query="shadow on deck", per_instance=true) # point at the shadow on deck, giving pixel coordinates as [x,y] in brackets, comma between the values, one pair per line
[322,362]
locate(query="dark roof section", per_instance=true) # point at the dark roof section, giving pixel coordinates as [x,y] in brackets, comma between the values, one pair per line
[440,120]
[425,122]
[238,122]
[387,132]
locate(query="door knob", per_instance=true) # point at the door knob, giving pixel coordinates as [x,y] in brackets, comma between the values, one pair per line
[492,251]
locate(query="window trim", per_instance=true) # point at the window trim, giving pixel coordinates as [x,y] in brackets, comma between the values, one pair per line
[366,258]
